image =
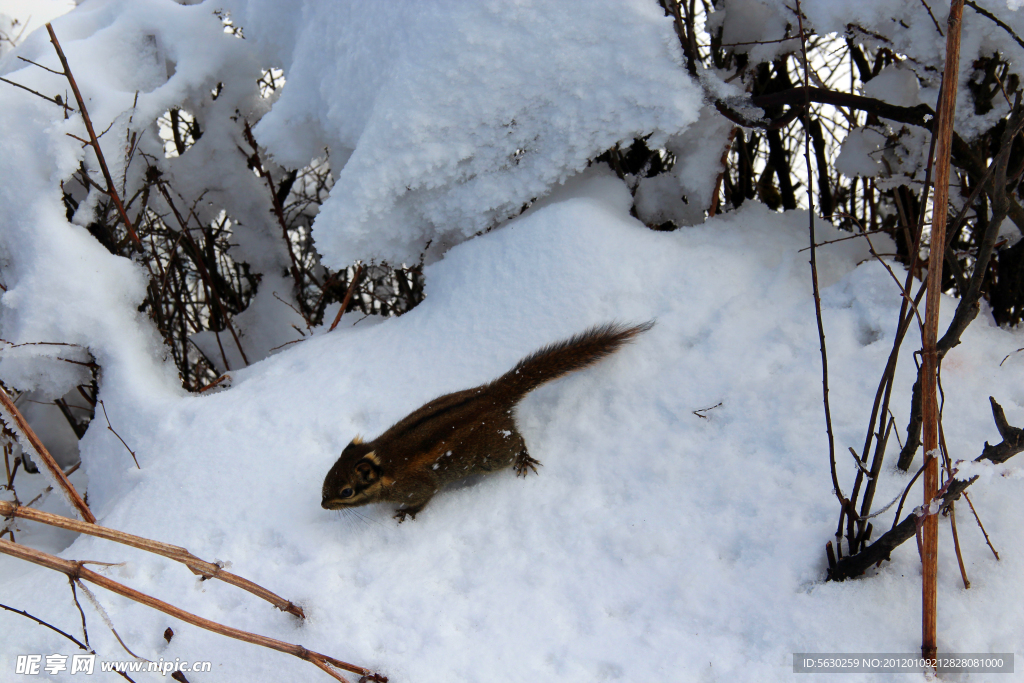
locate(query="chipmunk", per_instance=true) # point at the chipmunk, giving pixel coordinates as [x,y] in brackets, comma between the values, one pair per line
[460,434]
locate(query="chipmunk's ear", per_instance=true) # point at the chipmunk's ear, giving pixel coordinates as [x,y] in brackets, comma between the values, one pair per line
[367,469]
[355,442]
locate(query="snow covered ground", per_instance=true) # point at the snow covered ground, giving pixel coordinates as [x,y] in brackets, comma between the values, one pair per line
[654,545]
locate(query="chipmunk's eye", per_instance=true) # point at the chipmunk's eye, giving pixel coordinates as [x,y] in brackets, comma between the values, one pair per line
[347,493]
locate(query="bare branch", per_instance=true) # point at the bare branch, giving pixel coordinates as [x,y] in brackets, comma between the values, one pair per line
[56,100]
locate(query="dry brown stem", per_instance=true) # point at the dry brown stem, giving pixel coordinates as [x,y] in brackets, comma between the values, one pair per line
[207,570]
[929,352]
[39,450]
[76,571]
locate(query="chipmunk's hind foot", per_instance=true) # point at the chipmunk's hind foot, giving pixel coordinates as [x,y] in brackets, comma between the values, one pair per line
[524,462]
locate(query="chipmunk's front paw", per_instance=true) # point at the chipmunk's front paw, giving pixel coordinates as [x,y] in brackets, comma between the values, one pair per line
[402,513]
[524,462]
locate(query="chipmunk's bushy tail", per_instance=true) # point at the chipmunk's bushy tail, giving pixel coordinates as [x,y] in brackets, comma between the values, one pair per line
[561,358]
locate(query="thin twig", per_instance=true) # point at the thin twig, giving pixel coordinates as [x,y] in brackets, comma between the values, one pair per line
[956,546]
[903,292]
[860,465]
[700,411]
[878,512]
[903,498]
[118,435]
[65,410]
[53,628]
[275,348]
[103,613]
[214,383]
[74,595]
[843,239]
[44,68]
[937,27]
[70,637]
[981,526]
[871,249]
[56,100]
[760,42]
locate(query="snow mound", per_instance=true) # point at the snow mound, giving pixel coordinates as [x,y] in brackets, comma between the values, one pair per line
[445,118]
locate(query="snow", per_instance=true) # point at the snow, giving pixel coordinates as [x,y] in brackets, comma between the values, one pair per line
[985,470]
[677,528]
[895,84]
[653,544]
[685,193]
[860,153]
[47,260]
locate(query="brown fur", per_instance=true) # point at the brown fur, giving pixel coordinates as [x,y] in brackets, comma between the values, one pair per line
[460,434]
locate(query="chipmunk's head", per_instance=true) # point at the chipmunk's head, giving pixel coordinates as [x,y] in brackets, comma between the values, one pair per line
[355,479]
